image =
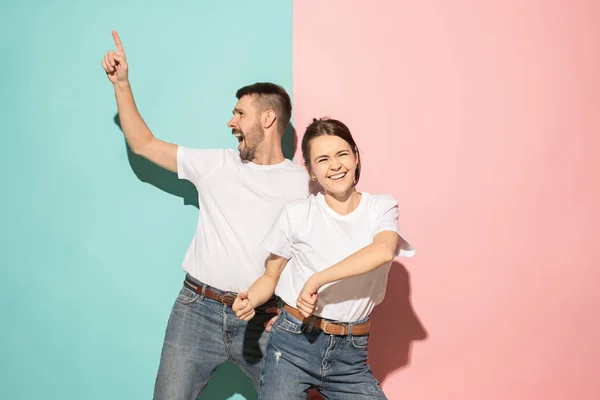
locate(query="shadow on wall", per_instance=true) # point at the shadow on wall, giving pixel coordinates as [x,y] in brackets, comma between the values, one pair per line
[167,181]
[289,142]
[395,326]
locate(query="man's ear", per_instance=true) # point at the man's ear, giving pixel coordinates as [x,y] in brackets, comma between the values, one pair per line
[268,119]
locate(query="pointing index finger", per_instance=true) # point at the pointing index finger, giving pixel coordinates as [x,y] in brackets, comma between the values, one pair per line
[118,42]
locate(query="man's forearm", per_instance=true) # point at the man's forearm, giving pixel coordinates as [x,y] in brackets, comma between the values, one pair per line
[137,133]
[262,290]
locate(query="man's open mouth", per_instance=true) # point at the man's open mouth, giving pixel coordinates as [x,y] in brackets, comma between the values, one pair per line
[239,136]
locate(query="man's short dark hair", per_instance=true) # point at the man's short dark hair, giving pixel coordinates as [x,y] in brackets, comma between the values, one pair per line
[270,96]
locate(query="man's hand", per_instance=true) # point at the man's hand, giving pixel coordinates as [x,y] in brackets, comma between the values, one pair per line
[307,300]
[242,307]
[115,63]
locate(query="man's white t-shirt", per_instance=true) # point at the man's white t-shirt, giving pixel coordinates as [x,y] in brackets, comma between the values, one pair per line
[314,237]
[238,202]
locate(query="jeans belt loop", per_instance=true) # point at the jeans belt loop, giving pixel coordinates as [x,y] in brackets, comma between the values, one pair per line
[227,296]
[203,294]
[349,337]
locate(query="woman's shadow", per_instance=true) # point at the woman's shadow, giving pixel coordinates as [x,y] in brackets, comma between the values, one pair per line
[394,327]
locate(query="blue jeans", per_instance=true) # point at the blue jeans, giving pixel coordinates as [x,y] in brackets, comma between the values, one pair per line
[300,357]
[201,335]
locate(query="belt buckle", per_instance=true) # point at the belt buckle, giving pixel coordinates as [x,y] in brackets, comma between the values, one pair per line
[232,296]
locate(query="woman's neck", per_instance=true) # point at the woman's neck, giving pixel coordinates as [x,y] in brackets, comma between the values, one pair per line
[343,203]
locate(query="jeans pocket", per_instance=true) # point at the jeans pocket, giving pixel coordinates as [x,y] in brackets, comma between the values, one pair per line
[187,296]
[360,342]
[287,323]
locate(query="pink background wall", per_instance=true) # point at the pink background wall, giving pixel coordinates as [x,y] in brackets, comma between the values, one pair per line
[483,118]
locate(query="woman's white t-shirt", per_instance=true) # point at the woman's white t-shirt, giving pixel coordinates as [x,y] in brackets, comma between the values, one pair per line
[314,237]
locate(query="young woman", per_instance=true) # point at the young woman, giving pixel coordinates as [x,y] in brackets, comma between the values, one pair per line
[338,247]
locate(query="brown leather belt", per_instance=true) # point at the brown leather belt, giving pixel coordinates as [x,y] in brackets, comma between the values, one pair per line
[227,298]
[328,327]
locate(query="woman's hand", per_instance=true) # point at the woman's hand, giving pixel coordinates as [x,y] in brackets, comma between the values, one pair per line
[307,300]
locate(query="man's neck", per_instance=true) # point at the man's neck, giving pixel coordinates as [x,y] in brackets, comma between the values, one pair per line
[269,154]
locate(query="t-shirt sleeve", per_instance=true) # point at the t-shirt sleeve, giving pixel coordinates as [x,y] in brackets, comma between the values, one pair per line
[279,238]
[196,164]
[386,219]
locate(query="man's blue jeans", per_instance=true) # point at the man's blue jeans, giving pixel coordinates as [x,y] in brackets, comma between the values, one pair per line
[201,335]
[299,358]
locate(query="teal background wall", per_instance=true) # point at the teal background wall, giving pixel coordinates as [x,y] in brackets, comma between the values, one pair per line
[92,238]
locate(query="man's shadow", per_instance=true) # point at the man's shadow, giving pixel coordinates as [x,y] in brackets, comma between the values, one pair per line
[228,380]
[394,327]
[167,181]
[289,142]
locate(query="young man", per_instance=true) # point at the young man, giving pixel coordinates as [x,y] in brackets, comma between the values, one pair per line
[239,195]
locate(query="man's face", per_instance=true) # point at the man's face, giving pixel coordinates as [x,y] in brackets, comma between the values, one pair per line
[246,127]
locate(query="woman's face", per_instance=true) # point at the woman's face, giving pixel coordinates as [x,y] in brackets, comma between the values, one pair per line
[333,163]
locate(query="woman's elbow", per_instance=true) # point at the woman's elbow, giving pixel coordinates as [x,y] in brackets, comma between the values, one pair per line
[388,254]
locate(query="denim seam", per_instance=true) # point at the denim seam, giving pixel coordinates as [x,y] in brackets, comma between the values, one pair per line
[266,353]
[225,343]
[300,332]
[357,347]
[323,369]
[202,390]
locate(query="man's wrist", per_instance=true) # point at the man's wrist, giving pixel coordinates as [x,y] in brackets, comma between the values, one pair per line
[122,85]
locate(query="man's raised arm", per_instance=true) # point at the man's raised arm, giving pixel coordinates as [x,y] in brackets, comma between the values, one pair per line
[138,135]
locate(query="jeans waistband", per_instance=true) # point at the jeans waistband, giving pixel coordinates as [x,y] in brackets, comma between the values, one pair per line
[198,283]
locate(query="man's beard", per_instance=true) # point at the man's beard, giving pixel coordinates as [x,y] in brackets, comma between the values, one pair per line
[252,140]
